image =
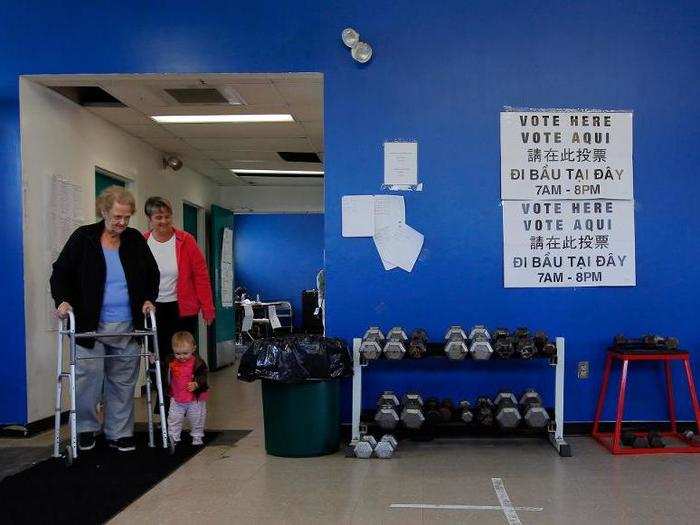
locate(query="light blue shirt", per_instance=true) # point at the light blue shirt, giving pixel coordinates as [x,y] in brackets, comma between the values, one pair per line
[115,303]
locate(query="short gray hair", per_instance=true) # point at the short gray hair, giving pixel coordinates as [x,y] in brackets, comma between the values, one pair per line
[154,204]
[113,194]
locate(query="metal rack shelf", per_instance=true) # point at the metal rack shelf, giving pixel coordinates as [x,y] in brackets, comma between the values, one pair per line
[555,430]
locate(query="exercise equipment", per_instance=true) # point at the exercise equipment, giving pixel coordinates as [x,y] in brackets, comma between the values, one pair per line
[365,447]
[386,447]
[655,440]
[630,439]
[456,346]
[502,343]
[543,345]
[372,343]
[447,410]
[387,415]
[395,348]
[507,414]
[524,343]
[465,411]
[533,413]
[418,344]
[480,343]
[412,413]
[483,412]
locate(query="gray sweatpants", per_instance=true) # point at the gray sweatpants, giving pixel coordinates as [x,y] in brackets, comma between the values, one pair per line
[195,412]
[116,377]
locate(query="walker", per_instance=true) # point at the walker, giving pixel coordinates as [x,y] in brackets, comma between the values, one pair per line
[67,328]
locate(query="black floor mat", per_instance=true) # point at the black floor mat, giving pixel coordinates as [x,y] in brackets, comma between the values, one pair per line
[100,483]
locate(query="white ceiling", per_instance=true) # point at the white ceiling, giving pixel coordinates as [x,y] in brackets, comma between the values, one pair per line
[213,149]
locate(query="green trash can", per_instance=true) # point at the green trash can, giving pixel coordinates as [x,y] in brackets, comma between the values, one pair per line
[301,419]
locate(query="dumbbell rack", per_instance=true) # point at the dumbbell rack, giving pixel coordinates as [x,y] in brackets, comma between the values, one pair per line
[555,430]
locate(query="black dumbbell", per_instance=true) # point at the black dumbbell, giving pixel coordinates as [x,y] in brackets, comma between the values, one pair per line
[483,412]
[534,414]
[465,411]
[387,415]
[447,410]
[543,345]
[503,346]
[418,344]
[630,439]
[507,413]
[431,410]
[524,344]
[412,413]
[655,439]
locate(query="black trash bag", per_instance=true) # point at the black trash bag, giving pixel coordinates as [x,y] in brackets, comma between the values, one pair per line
[271,359]
[295,358]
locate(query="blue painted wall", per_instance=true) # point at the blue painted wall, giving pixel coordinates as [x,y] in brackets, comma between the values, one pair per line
[278,255]
[440,74]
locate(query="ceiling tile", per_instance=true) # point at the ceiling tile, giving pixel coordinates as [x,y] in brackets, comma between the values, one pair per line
[251,130]
[121,116]
[148,131]
[301,93]
[264,144]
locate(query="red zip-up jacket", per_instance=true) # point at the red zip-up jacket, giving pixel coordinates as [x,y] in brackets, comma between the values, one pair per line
[193,284]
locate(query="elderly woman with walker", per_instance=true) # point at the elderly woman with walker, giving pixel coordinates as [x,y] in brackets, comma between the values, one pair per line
[107,277]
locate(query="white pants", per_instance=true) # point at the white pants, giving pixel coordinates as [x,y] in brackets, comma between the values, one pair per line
[195,412]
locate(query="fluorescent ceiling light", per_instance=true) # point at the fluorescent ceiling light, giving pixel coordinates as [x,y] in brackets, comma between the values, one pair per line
[283,172]
[208,119]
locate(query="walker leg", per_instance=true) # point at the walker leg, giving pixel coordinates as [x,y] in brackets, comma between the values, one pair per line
[149,403]
[59,385]
[159,383]
[73,418]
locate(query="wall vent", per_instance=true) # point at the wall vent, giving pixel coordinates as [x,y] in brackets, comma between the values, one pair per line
[89,96]
[298,156]
[199,96]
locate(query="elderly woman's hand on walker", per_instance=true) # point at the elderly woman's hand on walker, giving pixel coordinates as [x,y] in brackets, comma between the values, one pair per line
[63,309]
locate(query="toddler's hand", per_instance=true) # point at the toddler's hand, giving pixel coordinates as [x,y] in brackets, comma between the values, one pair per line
[192,386]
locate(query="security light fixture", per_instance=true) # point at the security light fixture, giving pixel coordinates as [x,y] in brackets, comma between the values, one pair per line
[360,51]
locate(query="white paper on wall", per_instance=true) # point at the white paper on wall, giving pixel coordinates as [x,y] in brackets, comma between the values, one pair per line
[358,215]
[227,268]
[403,245]
[401,164]
[389,210]
[566,154]
[568,243]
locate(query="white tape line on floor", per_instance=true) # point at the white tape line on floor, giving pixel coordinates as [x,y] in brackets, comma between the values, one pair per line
[459,507]
[506,504]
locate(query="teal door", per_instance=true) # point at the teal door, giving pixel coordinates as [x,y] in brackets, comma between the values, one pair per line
[189,219]
[221,352]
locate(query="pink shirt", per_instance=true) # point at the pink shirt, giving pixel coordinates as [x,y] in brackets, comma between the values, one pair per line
[181,373]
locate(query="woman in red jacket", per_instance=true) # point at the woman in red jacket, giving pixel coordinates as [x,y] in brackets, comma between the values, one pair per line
[185,287]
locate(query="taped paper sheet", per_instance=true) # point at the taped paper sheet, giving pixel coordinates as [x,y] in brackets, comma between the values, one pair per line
[401,163]
[403,245]
[389,210]
[272,315]
[247,318]
[358,215]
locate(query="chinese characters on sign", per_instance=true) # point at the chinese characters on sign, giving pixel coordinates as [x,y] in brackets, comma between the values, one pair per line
[567,195]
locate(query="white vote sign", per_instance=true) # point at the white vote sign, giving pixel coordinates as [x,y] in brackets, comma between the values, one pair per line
[566,154]
[568,243]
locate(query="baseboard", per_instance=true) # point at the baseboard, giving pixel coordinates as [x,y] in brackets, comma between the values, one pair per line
[31,429]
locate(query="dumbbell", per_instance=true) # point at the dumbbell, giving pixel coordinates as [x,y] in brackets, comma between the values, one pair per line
[395,347]
[412,413]
[630,439]
[483,412]
[502,343]
[691,438]
[372,342]
[480,343]
[524,344]
[456,346]
[534,414]
[543,345]
[447,410]
[655,439]
[386,447]
[387,416]
[667,343]
[507,413]
[365,446]
[465,411]
[418,344]
[431,411]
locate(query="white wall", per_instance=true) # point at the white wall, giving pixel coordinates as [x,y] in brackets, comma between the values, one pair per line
[258,199]
[61,138]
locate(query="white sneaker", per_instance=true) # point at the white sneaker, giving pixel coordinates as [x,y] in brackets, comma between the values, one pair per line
[197,441]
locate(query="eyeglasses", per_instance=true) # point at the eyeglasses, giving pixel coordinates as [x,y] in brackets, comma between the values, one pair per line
[118,218]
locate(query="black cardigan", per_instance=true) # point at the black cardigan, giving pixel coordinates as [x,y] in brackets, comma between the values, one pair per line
[80,271]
